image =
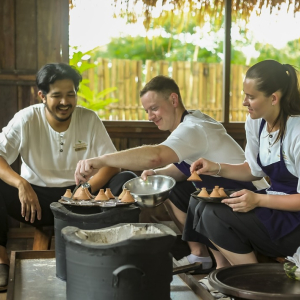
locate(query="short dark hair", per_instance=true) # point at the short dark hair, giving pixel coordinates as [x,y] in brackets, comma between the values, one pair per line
[161,84]
[49,73]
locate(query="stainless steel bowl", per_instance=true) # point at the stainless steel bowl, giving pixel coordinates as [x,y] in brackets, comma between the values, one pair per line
[152,192]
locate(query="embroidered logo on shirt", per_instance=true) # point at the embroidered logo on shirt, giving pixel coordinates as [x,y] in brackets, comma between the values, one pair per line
[80,145]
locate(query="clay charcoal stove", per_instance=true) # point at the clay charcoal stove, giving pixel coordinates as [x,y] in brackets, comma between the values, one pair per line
[86,218]
[125,261]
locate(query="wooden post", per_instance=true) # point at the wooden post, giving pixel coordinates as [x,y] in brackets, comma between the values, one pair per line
[227,59]
[234,93]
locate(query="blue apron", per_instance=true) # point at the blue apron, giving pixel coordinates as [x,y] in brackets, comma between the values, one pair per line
[278,223]
[210,181]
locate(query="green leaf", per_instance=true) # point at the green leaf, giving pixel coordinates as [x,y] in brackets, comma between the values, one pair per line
[105,92]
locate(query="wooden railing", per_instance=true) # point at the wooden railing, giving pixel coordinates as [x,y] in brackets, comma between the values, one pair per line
[200,86]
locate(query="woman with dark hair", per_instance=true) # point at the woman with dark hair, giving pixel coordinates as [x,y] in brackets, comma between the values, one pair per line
[266,222]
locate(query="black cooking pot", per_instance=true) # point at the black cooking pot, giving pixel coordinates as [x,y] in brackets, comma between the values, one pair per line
[125,262]
[85,218]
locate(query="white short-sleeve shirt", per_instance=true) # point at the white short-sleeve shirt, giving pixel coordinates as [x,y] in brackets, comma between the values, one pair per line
[201,136]
[49,158]
[268,151]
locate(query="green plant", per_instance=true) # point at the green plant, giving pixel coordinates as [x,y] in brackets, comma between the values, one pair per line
[93,100]
[80,60]
[88,98]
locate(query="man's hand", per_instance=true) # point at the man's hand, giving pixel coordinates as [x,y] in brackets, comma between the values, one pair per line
[86,168]
[30,205]
[147,173]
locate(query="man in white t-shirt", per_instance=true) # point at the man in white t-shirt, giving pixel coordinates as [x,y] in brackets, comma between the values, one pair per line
[193,135]
[50,138]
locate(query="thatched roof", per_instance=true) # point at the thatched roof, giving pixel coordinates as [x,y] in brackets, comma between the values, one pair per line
[241,9]
[200,9]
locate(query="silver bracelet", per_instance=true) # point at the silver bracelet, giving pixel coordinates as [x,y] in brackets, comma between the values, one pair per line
[219,169]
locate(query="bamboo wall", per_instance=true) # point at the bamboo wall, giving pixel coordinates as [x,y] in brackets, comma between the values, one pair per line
[200,85]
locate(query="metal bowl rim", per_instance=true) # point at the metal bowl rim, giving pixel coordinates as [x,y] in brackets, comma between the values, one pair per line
[164,176]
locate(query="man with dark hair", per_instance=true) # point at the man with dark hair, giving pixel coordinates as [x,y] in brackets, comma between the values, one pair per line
[50,137]
[49,73]
[193,135]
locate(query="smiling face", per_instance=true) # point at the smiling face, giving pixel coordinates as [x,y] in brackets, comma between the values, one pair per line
[60,102]
[260,106]
[161,109]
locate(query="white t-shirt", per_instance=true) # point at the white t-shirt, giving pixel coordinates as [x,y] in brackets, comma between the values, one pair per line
[49,158]
[202,136]
[271,153]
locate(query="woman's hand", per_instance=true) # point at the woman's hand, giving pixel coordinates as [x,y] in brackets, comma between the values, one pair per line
[205,167]
[86,168]
[246,200]
[147,173]
[30,205]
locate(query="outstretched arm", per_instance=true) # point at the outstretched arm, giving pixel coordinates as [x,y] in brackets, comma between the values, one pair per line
[169,170]
[102,177]
[135,159]
[241,172]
